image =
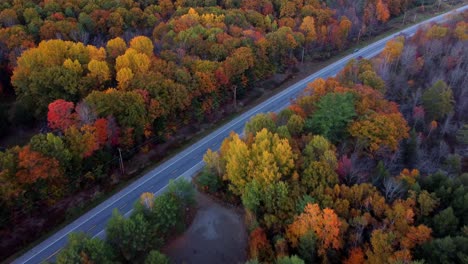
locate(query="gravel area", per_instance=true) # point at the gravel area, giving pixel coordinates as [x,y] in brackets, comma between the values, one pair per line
[216,235]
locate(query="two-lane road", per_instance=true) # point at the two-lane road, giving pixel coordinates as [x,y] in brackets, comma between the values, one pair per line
[189,161]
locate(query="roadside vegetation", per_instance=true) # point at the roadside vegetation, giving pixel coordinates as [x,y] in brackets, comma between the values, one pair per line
[97,77]
[138,238]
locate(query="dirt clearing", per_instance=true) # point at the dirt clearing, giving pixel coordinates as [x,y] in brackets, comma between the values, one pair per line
[217,235]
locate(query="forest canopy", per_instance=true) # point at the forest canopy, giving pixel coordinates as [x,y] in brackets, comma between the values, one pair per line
[365,167]
[93,77]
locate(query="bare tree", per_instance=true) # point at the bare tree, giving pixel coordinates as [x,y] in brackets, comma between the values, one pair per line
[447,127]
[408,56]
[85,114]
[392,189]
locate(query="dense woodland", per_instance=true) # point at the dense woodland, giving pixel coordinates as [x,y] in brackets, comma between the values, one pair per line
[366,167]
[113,74]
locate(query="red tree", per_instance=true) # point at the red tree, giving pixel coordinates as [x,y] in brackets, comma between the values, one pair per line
[102,133]
[33,165]
[60,115]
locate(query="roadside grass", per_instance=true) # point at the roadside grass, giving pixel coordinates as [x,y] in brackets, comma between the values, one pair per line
[394,25]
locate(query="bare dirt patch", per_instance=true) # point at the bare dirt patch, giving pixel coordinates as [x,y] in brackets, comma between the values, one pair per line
[216,235]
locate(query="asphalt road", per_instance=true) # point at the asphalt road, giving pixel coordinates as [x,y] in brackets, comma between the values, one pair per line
[189,161]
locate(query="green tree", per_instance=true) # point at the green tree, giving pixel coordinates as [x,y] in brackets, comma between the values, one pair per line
[166,213]
[252,196]
[252,261]
[453,164]
[283,116]
[283,132]
[295,125]
[156,257]
[334,112]
[370,78]
[290,260]
[271,202]
[259,122]
[83,249]
[445,250]
[51,146]
[438,100]
[427,203]
[130,237]
[307,248]
[445,223]
[320,164]
[183,190]
[127,107]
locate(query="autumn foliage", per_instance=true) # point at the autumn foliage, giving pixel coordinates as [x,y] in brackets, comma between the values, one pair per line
[366,194]
[105,75]
[32,166]
[324,223]
[60,115]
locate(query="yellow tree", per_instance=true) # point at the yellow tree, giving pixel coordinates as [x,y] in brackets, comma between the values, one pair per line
[124,76]
[214,162]
[272,154]
[345,27]
[263,168]
[138,62]
[237,160]
[393,49]
[461,30]
[99,70]
[116,47]
[308,27]
[381,249]
[436,32]
[96,54]
[147,200]
[380,130]
[143,45]
[427,202]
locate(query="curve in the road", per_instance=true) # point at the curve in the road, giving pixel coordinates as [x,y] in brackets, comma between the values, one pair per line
[189,161]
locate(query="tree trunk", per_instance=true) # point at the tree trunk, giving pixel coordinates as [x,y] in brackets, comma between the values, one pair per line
[234,91]
[302,58]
